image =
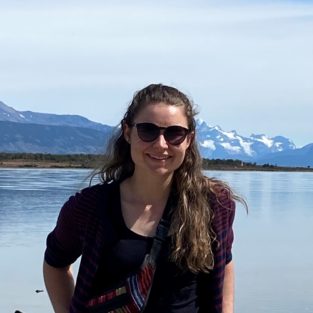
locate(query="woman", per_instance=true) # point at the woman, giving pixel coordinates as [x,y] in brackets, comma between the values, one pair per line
[154,160]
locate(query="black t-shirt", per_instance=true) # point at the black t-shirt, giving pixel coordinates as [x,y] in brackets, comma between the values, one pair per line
[173,290]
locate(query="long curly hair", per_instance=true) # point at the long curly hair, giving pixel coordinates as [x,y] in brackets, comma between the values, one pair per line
[191,231]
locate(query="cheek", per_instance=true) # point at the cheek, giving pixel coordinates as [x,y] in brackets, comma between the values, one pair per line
[185,152]
[181,155]
[137,148]
[185,147]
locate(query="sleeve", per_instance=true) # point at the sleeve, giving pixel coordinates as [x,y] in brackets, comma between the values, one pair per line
[64,243]
[230,231]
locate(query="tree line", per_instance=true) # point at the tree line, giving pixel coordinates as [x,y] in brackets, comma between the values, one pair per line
[93,160]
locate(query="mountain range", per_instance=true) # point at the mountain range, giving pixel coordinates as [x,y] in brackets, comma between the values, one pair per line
[26,131]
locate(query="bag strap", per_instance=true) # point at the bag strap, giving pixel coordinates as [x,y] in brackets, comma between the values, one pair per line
[161,232]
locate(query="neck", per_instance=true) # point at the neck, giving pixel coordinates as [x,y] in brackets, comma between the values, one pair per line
[149,190]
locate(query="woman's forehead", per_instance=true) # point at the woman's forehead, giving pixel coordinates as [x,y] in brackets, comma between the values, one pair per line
[162,114]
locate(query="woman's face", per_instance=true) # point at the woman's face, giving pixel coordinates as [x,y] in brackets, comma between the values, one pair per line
[158,157]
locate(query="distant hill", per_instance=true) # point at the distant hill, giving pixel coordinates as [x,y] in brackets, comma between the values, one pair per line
[26,131]
[302,157]
[9,114]
[36,138]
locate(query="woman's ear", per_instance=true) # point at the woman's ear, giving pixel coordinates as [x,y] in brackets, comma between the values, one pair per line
[190,138]
[126,131]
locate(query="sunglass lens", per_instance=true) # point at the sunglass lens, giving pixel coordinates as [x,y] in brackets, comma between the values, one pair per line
[175,135]
[147,131]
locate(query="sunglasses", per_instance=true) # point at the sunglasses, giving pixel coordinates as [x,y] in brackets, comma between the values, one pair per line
[149,132]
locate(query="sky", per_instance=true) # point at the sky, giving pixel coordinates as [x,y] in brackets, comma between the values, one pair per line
[247,65]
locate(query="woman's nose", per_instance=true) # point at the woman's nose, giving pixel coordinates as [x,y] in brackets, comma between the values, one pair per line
[160,141]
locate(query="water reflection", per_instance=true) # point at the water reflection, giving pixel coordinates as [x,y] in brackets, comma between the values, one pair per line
[42,179]
[272,250]
[30,200]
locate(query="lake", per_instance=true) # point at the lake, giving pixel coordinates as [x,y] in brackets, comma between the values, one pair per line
[273,249]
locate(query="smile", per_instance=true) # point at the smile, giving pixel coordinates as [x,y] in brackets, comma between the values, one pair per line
[159,157]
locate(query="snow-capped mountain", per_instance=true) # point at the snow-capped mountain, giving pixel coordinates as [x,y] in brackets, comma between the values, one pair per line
[26,131]
[216,143]
[9,114]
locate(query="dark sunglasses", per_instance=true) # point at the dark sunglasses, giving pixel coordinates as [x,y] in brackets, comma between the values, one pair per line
[149,132]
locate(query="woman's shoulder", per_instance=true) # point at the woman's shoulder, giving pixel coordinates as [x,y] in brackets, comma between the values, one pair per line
[223,207]
[220,195]
[89,199]
[100,190]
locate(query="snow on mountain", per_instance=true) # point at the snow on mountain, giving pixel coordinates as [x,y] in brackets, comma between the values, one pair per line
[214,142]
[8,114]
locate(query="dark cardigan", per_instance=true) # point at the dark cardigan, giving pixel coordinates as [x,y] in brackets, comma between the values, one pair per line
[84,229]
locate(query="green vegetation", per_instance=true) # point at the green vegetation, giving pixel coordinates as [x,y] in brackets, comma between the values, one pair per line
[230,164]
[94,160]
[50,160]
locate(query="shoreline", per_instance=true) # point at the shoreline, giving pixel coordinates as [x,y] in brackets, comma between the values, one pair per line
[34,165]
[46,164]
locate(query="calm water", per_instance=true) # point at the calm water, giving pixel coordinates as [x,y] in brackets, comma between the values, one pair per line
[273,250]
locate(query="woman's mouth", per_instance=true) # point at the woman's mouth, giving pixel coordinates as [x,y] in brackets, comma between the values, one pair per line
[159,157]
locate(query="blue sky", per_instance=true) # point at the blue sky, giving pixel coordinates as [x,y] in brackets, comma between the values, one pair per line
[248,65]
